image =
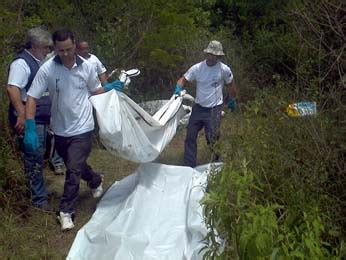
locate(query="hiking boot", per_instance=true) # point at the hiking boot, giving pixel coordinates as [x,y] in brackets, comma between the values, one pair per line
[99,190]
[65,220]
[59,170]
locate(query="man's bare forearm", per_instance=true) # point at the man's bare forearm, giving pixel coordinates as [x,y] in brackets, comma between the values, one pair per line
[233,91]
[30,108]
[15,98]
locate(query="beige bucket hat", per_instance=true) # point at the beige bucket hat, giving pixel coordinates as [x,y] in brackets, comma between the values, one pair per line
[215,48]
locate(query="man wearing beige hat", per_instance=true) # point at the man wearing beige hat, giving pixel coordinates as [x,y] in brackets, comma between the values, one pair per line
[210,76]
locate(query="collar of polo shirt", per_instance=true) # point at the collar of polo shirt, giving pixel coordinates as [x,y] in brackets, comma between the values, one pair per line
[79,60]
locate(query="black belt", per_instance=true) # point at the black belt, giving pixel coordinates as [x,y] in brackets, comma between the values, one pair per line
[207,108]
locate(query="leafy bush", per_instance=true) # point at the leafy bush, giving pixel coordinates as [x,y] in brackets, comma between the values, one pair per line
[13,193]
[274,196]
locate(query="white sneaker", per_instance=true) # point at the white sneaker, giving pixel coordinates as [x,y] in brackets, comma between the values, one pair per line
[65,221]
[98,191]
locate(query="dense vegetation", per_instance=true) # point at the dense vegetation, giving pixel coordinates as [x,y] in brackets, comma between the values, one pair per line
[281,193]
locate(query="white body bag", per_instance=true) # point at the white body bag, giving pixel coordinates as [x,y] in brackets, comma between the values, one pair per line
[129,131]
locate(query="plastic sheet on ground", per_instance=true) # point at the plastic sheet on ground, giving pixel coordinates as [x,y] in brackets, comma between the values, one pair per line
[153,214]
[129,131]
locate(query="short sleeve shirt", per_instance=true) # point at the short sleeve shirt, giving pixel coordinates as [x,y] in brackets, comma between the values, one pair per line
[69,90]
[97,64]
[19,74]
[210,81]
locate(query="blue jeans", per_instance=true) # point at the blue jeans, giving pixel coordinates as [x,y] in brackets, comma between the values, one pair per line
[33,167]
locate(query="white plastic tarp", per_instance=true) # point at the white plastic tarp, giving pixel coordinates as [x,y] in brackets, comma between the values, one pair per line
[153,214]
[129,131]
[153,106]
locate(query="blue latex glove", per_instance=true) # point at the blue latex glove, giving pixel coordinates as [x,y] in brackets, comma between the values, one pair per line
[30,141]
[117,85]
[177,90]
[232,104]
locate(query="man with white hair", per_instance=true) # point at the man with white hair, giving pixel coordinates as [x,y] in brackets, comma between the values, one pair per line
[210,76]
[21,73]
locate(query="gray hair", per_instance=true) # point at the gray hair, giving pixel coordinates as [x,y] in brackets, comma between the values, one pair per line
[38,35]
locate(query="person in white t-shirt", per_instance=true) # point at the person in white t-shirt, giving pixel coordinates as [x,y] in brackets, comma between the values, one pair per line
[210,76]
[70,81]
[83,50]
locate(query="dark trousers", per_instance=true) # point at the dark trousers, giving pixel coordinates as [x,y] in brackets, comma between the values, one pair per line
[75,151]
[201,117]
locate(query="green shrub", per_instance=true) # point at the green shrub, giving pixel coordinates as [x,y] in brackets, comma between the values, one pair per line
[274,197]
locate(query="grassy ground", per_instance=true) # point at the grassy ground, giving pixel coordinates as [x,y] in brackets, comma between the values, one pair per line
[38,236]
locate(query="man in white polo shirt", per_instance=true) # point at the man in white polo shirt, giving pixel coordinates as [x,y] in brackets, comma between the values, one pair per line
[83,51]
[210,76]
[70,81]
